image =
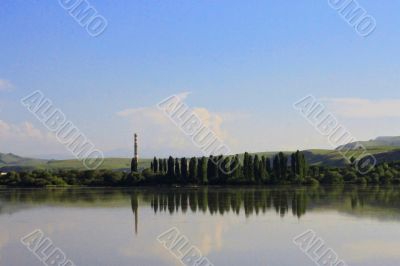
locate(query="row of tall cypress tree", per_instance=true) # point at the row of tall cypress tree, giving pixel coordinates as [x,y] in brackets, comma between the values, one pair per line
[253,169]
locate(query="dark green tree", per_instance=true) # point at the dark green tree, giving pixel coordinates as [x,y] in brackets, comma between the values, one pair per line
[199,173]
[250,169]
[178,173]
[276,168]
[203,171]
[268,165]
[219,163]
[298,166]
[155,165]
[235,168]
[225,170]
[171,167]
[283,164]
[184,170]
[263,170]
[257,169]
[293,166]
[193,170]
[212,169]
[165,165]
[246,165]
[160,165]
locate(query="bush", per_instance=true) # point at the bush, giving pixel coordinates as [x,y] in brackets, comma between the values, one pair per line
[311,181]
[332,177]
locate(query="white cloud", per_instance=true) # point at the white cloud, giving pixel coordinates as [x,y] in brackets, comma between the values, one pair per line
[213,121]
[158,133]
[364,108]
[20,131]
[26,139]
[5,85]
[145,110]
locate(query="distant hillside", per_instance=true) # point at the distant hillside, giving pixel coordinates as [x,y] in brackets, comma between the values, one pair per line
[383,153]
[387,142]
[334,158]
[12,162]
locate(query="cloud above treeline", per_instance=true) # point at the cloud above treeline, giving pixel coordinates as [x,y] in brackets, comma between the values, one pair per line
[158,132]
[26,139]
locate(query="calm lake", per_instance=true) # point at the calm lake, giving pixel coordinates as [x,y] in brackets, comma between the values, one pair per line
[230,226]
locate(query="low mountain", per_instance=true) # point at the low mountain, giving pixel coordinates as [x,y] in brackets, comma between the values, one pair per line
[388,142]
[9,159]
[333,158]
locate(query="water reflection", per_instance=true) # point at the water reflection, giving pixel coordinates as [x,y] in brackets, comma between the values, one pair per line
[135,209]
[249,201]
[256,201]
[216,201]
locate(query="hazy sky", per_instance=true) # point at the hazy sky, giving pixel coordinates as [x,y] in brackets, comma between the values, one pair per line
[240,64]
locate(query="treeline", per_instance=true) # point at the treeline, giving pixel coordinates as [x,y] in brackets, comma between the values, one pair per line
[281,169]
[219,170]
[42,178]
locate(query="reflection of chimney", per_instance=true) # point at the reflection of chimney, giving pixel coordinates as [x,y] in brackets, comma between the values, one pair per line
[135,208]
[136,147]
[136,222]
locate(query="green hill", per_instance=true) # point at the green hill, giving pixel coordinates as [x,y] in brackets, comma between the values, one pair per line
[387,142]
[335,159]
[9,162]
[383,148]
[10,159]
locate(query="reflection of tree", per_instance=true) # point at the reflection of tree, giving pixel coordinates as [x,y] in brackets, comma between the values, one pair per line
[193,201]
[185,202]
[220,201]
[203,200]
[171,202]
[253,201]
[215,201]
[299,203]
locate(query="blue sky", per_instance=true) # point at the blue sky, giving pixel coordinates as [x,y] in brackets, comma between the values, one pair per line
[244,63]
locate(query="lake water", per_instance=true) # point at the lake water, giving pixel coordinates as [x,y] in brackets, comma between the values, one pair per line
[229,226]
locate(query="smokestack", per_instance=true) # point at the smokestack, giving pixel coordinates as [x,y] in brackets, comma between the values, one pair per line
[136,147]
[135,159]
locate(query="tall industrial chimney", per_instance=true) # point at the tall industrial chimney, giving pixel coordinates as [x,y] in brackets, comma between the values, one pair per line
[135,159]
[136,147]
